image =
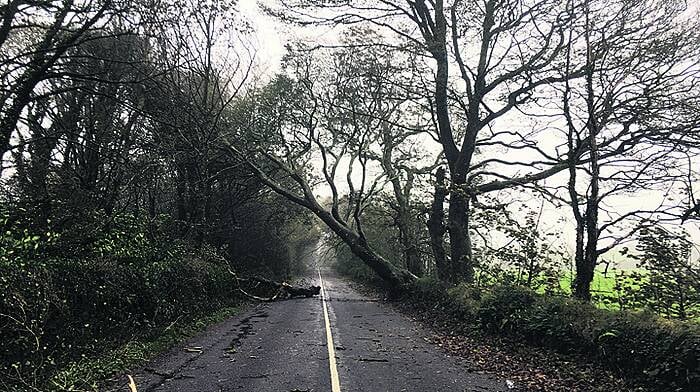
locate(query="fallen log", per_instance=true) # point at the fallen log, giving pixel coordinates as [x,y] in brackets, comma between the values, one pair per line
[290,291]
[283,290]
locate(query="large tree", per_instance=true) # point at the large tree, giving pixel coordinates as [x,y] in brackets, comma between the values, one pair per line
[336,126]
[489,60]
[495,65]
[628,129]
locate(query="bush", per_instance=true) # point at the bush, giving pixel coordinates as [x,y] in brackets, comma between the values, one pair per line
[464,301]
[56,311]
[661,354]
[504,308]
[665,355]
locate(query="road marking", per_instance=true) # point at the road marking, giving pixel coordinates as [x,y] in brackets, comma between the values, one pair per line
[335,381]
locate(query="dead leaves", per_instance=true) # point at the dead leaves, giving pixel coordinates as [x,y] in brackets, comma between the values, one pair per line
[528,368]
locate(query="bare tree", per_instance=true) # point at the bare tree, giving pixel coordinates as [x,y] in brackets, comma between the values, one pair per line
[503,53]
[624,132]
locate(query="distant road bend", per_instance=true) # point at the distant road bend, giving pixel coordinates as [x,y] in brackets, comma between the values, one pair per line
[342,341]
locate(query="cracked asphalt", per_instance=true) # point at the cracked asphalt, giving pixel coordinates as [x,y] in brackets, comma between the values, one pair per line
[281,346]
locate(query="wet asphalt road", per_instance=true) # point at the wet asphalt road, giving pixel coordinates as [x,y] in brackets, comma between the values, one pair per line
[281,346]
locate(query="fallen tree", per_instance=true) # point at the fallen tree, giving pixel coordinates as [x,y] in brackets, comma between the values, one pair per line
[279,290]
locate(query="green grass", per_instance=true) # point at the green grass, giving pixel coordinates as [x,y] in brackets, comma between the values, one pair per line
[87,373]
[603,284]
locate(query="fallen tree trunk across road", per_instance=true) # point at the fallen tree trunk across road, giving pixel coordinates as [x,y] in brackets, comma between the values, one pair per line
[282,290]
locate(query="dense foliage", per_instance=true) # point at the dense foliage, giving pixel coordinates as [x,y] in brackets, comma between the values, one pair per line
[58,309]
[121,215]
[660,354]
[63,301]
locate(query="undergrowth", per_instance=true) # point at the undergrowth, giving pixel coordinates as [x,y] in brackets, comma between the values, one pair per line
[657,353]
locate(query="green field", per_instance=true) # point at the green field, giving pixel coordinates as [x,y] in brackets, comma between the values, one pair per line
[614,290]
[603,285]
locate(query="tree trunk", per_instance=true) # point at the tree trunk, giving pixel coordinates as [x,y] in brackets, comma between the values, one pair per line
[586,269]
[436,226]
[413,259]
[460,266]
[585,266]
[585,272]
[393,275]
[461,257]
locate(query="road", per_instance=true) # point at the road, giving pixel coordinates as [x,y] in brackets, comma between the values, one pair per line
[282,346]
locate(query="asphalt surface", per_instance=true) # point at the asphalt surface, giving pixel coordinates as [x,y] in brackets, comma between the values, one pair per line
[281,346]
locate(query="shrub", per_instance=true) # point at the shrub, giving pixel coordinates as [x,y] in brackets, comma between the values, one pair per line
[465,301]
[664,354]
[659,353]
[56,311]
[503,308]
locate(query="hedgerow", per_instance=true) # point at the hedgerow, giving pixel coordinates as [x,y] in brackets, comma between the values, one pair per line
[60,304]
[658,353]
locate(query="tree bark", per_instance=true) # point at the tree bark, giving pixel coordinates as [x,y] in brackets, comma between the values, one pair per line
[413,259]
[461,260]
[460,266]
[436,226]
[585,268]
[387,271]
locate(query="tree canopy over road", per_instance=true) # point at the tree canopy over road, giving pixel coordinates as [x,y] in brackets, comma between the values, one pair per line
[149,162]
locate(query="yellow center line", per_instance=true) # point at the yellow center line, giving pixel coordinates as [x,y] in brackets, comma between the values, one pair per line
[335,381]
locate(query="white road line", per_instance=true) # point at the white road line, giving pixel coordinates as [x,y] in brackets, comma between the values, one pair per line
[335,381]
